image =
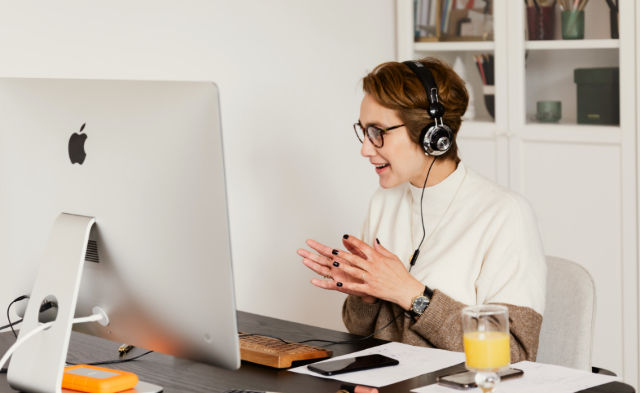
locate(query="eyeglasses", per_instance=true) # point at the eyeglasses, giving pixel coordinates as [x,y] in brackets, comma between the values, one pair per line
[375,134]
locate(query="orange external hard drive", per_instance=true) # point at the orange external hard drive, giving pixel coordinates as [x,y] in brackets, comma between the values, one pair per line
[94,379]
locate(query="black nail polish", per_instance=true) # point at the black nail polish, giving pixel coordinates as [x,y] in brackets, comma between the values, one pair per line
[345,236]
[334,252]
[377,241]
[339,284]
[336,263]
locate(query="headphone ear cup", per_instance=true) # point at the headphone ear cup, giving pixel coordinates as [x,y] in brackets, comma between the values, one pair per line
[436,139]
[424,142]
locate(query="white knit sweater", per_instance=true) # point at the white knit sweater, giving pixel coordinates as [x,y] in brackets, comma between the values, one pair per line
[482,242]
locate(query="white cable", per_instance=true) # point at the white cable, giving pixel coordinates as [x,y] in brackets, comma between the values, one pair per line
[22,339]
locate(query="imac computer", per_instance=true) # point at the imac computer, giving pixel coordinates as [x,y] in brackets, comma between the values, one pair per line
[112,195]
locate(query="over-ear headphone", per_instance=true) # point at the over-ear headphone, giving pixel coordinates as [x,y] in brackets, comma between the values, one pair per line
[436,137]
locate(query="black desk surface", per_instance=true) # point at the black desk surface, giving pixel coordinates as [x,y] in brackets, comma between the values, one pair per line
[178,375]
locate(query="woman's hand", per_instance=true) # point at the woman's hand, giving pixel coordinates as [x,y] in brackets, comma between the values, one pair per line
[369,272]
[325,265]
[381,273]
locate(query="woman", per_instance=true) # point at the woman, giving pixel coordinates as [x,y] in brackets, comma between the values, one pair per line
[438,236]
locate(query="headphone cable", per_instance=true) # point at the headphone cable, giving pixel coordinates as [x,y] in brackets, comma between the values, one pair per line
[414,257]
[356,340]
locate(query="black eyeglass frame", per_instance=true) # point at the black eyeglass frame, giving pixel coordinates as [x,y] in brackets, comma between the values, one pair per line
[381,132]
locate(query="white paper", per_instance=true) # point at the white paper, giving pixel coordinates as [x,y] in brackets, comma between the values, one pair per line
[413,360]
[538,377]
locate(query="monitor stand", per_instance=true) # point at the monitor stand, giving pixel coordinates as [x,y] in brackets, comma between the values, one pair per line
[37,366]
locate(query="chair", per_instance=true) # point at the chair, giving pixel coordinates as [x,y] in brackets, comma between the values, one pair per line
[566,334]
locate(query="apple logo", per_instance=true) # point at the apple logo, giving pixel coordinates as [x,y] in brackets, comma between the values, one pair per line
[76,146]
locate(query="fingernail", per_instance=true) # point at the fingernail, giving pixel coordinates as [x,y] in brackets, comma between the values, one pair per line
[377,241]
[334,252]
[339,284]
[345,236]
[336,263]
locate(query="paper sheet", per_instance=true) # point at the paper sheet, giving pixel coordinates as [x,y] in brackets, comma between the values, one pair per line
[414,361]
[537,378]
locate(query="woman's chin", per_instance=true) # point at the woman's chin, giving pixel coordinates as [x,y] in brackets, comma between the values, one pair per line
[388,183]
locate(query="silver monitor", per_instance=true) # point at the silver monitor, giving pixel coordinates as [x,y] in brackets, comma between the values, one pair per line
[159,257]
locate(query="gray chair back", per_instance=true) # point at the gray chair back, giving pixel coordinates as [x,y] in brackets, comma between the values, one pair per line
[567,324]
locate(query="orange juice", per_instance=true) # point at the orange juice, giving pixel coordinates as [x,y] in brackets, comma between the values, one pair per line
[487,350]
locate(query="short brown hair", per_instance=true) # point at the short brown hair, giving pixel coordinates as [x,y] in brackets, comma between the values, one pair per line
[396,87]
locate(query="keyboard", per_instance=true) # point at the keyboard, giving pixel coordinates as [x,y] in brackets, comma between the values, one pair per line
[276,353]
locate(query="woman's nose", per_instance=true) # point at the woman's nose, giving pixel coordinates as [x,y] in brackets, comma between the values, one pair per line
[367,149]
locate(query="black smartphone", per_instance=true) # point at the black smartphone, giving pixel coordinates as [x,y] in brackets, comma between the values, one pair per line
[357,363]
[466,379]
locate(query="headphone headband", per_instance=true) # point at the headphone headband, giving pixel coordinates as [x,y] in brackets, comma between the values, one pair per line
[424,75]
[436,138]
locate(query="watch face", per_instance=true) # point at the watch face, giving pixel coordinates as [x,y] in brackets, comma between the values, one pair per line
[420,304]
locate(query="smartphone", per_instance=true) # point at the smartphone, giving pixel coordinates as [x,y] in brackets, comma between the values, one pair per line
[466,379]
[357,363]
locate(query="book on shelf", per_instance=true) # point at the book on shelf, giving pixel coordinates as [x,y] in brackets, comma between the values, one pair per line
[452,20]
[425,26]
[446,15]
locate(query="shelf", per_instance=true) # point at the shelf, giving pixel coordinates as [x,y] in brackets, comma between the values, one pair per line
[572,133]
[544,132]
[572,44]
[454,46]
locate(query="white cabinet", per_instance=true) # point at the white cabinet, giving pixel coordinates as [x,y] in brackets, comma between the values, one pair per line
[581,179]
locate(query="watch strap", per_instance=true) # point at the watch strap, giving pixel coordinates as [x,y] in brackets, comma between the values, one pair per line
[428,292]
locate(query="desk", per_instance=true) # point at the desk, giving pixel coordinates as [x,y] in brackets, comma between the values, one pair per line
[183,376]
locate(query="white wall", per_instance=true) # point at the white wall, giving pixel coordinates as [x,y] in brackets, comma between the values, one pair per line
[288,72]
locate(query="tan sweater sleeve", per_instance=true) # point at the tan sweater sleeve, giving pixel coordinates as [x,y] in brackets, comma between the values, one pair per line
[360,317]
[441,325]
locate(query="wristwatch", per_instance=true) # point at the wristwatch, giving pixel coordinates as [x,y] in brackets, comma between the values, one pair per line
[420,303]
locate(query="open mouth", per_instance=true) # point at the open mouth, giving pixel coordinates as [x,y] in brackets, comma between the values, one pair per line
[381,167]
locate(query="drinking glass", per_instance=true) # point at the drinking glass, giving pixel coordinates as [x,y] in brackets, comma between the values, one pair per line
[486,342]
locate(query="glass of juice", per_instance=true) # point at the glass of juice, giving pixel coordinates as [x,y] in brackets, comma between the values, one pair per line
[486,342]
